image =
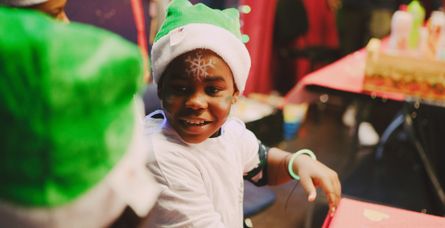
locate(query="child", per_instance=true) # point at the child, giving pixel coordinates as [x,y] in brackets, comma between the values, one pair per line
[199,154]
[72,146]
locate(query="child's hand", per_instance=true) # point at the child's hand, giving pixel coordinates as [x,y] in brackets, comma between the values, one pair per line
[315,174]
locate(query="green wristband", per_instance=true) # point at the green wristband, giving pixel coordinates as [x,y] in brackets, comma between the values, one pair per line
[295,155]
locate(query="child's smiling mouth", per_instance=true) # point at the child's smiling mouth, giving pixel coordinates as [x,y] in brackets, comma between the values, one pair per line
[194,122]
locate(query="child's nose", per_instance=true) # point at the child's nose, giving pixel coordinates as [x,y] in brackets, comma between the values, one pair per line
[196,101]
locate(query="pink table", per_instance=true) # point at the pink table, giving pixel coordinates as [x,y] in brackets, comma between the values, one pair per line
[344,75]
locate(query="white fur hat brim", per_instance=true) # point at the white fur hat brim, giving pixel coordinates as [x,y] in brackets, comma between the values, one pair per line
[202,36]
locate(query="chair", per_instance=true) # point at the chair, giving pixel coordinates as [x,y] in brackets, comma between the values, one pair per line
[256,200]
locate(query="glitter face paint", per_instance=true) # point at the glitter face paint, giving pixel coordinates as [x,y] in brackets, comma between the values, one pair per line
[197,92]
[197,67]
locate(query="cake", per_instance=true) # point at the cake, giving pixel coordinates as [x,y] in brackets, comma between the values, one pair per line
[416,77]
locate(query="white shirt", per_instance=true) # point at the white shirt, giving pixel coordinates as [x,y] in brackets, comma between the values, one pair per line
[201,184]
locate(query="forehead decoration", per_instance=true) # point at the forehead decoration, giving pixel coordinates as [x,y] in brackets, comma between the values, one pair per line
[197,66]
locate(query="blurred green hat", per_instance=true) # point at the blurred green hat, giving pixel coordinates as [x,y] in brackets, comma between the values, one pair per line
[66,106]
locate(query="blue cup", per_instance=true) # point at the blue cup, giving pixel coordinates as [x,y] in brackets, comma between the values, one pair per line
[290,130]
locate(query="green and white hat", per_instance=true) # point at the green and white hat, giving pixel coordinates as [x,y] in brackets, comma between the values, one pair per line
[70,132]
[188,27]
[21,2]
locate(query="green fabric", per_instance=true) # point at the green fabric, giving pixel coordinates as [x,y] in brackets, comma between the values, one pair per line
[66,106]
[182,12]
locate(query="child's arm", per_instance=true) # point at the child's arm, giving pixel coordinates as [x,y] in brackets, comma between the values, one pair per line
[312,174]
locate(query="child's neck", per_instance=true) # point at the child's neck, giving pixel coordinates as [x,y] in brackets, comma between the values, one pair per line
[217,133]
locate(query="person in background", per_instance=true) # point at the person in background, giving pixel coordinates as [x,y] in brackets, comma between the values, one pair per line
[353,19]
[357,21]
[53,8]
[199,154]
[360,20]
[73,153]
[305,39]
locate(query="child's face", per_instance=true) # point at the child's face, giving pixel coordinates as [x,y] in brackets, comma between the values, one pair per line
[197,91]
[54,8]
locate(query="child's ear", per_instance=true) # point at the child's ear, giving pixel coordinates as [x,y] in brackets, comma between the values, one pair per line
[235,97]
[159,92]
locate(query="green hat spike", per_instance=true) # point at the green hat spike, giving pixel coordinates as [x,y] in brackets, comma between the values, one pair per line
[182,12]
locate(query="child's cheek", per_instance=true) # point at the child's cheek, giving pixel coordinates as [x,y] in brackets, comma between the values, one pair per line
[226,102]
[168,101]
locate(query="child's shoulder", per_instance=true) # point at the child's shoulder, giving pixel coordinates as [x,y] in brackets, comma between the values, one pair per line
[234,121]
[157,129]
[153,122]
[234,125]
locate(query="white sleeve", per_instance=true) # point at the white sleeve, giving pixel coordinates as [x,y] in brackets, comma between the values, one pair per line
[248,142]
[183,201]
[250,151]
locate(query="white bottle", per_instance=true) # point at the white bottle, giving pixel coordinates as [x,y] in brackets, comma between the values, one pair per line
[401,24]
[436,35]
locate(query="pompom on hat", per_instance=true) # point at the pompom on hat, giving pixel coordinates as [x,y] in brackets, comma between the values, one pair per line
[188,27]
[21,2]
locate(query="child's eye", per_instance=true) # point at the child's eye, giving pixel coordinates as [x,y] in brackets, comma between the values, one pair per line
[212,90]
[179,89]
